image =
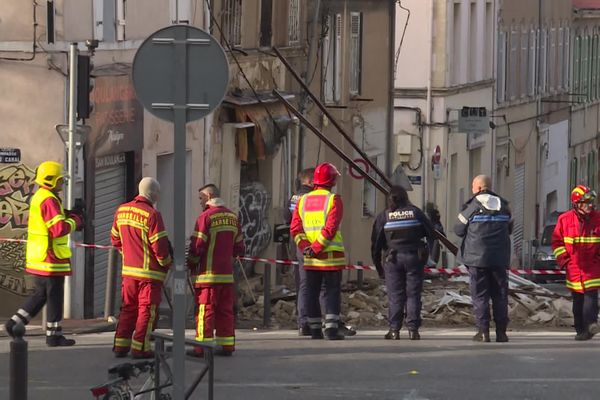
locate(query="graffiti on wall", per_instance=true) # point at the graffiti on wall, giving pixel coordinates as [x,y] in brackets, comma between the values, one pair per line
[16,187]
[254,203]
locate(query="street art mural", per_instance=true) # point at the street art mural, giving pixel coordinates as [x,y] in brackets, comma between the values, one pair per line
[16,187]
[254,203]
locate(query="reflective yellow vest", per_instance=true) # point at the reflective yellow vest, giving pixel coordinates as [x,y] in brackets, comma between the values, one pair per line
[313,209]
[38,239]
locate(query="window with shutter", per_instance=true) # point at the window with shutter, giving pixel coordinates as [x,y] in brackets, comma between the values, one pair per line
[355,52]
[294,22]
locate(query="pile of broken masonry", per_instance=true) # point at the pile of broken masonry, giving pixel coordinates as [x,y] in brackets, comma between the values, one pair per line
[446,302]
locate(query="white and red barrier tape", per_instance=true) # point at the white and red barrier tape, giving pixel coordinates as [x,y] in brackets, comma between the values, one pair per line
[448,271]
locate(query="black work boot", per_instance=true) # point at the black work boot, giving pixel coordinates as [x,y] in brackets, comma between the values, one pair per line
[414,335]
[58,341]
[346,330]
[482,335]
[501,336]
[316,333]
[304,330]
[333,334]
[393,334]
[586,335]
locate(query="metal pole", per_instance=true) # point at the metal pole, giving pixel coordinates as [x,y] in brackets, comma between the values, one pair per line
[18,365]
[71,159]
[179,186]
[267,296]
[111,281]
[360,276]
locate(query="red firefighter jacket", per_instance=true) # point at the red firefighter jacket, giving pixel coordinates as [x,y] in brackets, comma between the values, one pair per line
[322,234]
[576,245]
[217,238]
[139,233]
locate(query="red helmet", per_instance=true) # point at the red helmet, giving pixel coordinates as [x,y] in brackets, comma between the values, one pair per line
[325,175]
[582,193]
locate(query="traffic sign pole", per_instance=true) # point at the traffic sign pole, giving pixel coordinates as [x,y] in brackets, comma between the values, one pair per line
[180,275]
[180,74]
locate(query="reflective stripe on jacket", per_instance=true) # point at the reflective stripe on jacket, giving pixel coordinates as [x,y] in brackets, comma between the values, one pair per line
[48,252]
[217,238]
[576,245]
[139,233]
[315,223]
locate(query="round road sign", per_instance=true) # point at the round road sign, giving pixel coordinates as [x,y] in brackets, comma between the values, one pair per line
[355,174]
[157,66]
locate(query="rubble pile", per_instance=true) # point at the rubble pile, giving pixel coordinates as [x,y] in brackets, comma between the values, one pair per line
[446,302]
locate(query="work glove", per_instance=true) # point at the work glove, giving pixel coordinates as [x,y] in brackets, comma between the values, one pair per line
[309,252]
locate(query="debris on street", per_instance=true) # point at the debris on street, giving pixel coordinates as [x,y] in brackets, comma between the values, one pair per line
[446,302]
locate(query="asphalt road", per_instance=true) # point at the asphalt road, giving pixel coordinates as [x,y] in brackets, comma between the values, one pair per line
[278,365]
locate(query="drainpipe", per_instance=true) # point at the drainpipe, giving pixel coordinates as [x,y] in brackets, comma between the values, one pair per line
[390,130]
[312,55]
[428,109]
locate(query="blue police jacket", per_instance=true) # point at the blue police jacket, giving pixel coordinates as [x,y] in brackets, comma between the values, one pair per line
[485,225]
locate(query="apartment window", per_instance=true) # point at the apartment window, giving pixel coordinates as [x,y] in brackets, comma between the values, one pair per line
[456,43]
[266,22]
[513,62]
[559,58]
[501,68]
[542,78]
[524,62]
[577,65]
[573,175]
[294,22]
[592,169]
[585,58]
[489,40]
[231,21]
[531,63]
[332,58]
[551,60]
[355,52]
[109,20]
[566,58]
[473,37]
[593,93]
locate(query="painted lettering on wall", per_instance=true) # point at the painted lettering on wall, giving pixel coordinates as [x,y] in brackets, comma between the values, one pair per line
[254,203]
[16,186]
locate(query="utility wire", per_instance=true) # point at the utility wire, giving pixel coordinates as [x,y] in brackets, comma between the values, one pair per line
[231,52]
[401,39]
[35,24]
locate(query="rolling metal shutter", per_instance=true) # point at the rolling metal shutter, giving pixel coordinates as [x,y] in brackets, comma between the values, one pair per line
[109,194]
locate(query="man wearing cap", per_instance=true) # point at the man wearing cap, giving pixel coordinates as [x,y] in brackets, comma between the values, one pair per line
[48,255]
[139,234]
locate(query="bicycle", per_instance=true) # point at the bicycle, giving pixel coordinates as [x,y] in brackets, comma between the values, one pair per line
[119,387]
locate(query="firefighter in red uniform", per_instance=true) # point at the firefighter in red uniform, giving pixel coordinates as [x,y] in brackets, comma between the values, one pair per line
[139,233]
[48,255]
[576,245]
[315,228]
[217,238]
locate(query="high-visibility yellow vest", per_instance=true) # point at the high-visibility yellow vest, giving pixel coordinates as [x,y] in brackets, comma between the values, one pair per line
[38,240]
[313,209]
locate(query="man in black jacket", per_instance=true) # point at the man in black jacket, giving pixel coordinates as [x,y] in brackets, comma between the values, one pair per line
[485,226]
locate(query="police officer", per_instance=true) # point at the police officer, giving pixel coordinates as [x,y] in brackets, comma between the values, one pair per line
[305,178]
[399,231]
[485,225]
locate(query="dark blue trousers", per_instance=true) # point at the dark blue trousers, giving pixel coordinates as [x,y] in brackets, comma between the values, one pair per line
[486,284]
[404,282]
[333,297]
[301,289]
[585,309]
